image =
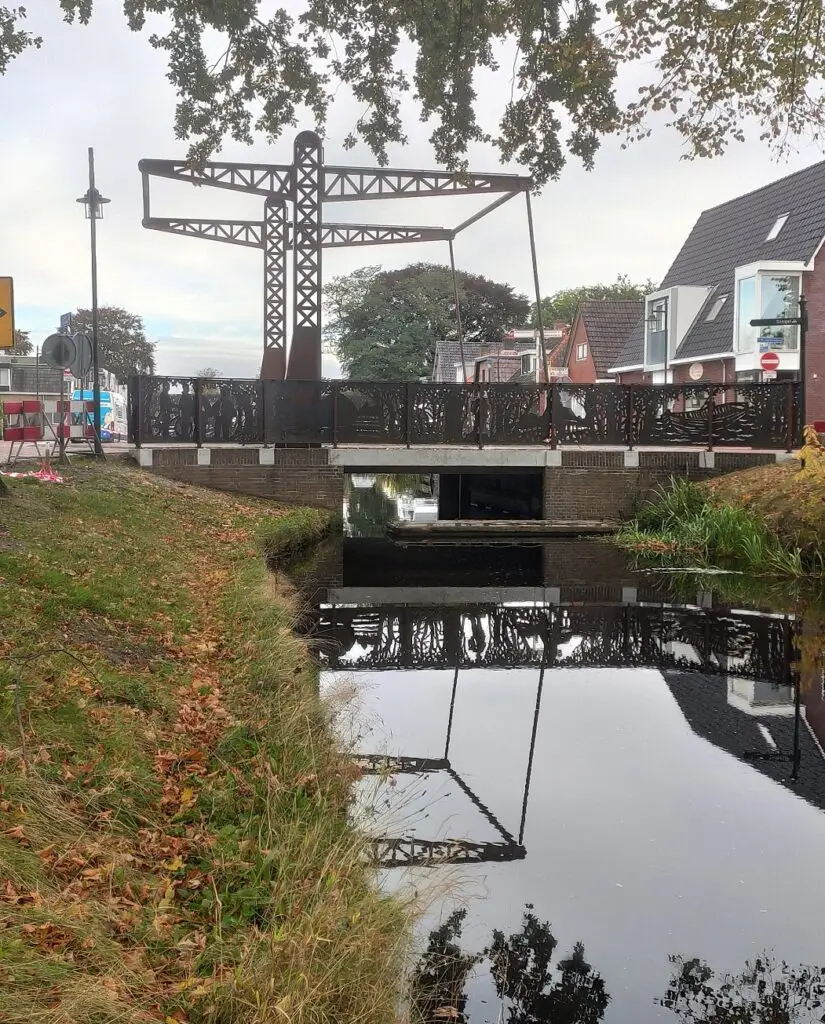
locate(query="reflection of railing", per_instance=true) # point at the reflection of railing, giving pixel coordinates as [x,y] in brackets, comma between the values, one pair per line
[750,646]
[187,410]
[407,852]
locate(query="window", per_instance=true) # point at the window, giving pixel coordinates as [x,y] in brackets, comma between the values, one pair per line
[779,297]
[767,296]
[778,224]
[716,308]
[528,363]
[581,352]
[656,327]
[5,378]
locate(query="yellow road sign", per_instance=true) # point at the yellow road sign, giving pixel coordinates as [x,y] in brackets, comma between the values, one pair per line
[6,312]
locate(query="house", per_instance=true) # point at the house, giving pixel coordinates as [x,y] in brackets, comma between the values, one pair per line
[447,368]
[516,358]
[750,258]
[598,333]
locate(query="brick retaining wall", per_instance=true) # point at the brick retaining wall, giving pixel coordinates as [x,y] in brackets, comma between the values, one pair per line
[600,485]
[296,476]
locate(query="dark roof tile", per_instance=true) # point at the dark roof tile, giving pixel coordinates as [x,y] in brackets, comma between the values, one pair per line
[608,323]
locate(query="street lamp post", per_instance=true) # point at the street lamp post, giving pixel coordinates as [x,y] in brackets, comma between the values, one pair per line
[94,203]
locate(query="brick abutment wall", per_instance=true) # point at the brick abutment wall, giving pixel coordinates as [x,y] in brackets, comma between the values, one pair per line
[295,476]
[600,486]
[577,485]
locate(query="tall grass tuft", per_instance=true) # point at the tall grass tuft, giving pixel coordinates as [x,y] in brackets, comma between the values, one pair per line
[683,520]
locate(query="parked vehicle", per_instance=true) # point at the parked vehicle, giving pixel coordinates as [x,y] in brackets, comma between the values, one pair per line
[113,425]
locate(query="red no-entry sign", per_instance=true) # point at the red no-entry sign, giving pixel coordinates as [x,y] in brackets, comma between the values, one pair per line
[769,361]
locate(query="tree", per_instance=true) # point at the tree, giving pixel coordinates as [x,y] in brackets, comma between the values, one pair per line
[209,373]
[22,344]
[244,66]
[764,990]
[561,307]
[123,347]
[385,324]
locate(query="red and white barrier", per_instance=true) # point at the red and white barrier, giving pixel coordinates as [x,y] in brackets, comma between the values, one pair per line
[23,421]
[71,419]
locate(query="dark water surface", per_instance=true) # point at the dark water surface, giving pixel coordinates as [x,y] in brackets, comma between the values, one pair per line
[628,755]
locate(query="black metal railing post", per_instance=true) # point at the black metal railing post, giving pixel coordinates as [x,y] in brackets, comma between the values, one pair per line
[711,403]
[479,398]
[265,412]
[790,415]
[198,414]
[335,410]
[551,402]
[408,400]
[630,434]
[139,412]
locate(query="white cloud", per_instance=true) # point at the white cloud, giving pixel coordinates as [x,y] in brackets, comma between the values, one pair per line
[105,87]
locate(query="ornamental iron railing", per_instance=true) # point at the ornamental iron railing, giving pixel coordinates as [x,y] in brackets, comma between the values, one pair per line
[190,410]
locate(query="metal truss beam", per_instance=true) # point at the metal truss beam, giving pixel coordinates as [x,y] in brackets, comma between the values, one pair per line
[340,184]
[235,232]
[409,852]
[339,235]
[254,179]
[306,236]
[345,184]
[275,241]
[333,236]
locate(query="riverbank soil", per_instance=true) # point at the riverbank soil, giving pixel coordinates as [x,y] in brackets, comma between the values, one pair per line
[174,843]
[790,501]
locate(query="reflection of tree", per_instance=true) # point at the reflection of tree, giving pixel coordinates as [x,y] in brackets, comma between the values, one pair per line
[532,992]
[370,511]
[437,986]
[765,991]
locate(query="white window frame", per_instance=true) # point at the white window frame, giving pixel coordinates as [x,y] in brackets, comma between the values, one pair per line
[5,378]
[788,268]
[777,227]
[581,352]
[665,294]
[717,306]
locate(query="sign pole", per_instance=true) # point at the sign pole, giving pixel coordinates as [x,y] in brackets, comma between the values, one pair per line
[803,351]
[93,207]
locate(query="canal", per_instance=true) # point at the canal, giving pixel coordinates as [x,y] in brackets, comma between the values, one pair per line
[598,780]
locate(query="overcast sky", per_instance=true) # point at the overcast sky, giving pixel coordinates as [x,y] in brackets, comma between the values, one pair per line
[201,301]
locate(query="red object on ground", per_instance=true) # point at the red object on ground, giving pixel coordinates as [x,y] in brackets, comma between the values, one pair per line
[769,361]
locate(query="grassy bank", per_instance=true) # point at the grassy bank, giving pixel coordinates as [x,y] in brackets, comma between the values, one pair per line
[767,521]
[173,835]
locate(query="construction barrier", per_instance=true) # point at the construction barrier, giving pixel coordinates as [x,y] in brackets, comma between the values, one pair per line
[23,421]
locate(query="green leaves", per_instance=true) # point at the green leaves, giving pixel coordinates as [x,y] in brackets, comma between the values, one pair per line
[241,67]
[386,324]
[124,348]
[561,307]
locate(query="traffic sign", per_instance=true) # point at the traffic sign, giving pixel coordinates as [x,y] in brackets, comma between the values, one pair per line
[769,361]
[778,321]
[6,312]
[65,323]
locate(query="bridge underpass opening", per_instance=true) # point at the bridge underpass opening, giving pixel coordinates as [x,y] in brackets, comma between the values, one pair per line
[515,495]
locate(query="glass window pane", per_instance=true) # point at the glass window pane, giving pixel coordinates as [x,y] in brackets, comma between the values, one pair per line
[745,334]
[656,332]
[779,297]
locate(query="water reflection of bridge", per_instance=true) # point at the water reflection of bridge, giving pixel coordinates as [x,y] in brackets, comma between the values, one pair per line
[680,640]
[749,645]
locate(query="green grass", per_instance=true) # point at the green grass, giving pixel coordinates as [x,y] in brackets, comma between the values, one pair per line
[174,837]
[687,520]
